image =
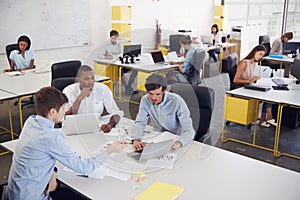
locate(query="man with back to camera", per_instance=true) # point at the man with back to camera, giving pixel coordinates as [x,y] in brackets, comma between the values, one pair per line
[111,50]
[168,112]
[33,172]
[86,96]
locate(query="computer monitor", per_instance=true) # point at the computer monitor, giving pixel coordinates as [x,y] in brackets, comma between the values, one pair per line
[291,48]
[132,50]
[295,71]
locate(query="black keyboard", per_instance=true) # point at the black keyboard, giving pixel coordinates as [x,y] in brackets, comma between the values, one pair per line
[279,82]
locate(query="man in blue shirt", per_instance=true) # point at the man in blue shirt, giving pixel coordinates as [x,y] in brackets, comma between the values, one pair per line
[32,173]
[168,112]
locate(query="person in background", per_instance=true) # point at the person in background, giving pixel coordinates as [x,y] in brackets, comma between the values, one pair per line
[185,67]
[168,112]
[245,75]
[112,50]
[277,49]
[216,37]
[33,172]
[23,57]
[86,96]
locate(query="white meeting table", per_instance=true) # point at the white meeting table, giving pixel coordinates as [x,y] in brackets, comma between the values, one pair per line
[280,97]
[218,175]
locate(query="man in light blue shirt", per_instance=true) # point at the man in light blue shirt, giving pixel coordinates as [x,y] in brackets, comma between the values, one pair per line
[32,173]
[168,112]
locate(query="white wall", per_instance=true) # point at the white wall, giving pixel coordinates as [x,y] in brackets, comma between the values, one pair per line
[193,15]
[100,26]
[173,15]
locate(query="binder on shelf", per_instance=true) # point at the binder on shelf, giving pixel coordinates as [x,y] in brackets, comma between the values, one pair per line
[160,191]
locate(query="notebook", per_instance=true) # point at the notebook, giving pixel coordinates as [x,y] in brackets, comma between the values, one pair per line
[152,150]
[81,124]
[158,57]
[161,191]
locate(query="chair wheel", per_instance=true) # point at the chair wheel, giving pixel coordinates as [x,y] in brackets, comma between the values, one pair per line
[249,126]
[227,123]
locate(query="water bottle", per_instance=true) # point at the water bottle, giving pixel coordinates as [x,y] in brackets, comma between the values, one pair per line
[181,52]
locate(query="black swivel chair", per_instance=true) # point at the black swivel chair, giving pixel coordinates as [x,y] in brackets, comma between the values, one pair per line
[9,48]
[197,62]
[61,83]
[174,41]
[65,69]
[263,39]
[200,101]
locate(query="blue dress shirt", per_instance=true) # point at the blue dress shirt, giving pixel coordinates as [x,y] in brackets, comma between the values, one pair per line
[172,115]
[40,145]
[188,60]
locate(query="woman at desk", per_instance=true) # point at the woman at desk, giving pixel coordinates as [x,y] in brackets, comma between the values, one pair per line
[245,75]
[185,67]
[216,37]
[23,57]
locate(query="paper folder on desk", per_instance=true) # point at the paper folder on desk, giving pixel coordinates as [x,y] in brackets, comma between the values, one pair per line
[160,191]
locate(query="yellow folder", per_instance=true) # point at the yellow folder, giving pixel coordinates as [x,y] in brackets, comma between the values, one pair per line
[160,191]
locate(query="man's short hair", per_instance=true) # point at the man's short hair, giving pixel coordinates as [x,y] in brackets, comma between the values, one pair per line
[83,68]
[47,98]
[113,33]
[156,81]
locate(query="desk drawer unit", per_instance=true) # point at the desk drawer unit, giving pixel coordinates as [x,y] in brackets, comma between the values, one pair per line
[240,110]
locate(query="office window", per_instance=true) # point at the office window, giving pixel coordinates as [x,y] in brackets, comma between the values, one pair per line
[293,19]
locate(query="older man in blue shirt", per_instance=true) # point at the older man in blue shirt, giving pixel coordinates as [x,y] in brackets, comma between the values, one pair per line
[32,173]
[168,112]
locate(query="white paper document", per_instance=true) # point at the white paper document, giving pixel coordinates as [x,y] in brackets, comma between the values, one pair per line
[165,161]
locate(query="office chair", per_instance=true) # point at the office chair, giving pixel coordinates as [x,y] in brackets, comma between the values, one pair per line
[200,101]
[65,69]
[9,48]
[174,41]
[197,62]
[263,39]
[61,83]
[273,66]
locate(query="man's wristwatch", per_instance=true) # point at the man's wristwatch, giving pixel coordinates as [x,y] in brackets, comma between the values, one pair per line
[55,169]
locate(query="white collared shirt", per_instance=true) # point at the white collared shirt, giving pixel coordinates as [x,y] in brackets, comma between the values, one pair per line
[99,98]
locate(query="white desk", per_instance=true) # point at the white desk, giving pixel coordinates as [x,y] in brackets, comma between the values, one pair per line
[145,65]
[285,59]
[220,175]
[280,97]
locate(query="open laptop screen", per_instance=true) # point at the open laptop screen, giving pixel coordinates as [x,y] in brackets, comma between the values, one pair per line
[157,57]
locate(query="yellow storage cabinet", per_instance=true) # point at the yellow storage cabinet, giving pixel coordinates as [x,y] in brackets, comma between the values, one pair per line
[239,110]
[121,13]
[107,70]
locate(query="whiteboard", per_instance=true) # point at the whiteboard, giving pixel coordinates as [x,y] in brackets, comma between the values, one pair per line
[49,24]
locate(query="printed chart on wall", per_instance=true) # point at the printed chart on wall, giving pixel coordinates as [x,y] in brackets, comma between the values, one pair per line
[49,24]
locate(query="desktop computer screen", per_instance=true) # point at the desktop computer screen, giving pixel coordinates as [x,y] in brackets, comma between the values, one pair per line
[296,69]
[290,47]
[132,50]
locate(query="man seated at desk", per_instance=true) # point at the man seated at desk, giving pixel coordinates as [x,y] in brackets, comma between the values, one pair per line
[86,96]
[33,172]
[168,112]
[112,50]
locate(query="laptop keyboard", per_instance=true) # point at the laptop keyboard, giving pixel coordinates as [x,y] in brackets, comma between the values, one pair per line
[279,82]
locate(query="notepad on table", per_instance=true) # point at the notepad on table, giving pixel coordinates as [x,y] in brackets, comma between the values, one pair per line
[14,73]
[160,191]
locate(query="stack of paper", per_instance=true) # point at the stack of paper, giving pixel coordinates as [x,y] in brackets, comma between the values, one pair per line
[160,191]
[14,73]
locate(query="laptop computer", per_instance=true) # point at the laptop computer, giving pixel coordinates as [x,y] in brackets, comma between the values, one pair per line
[152,150]
[206,39]
[81,124]
[158,57]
